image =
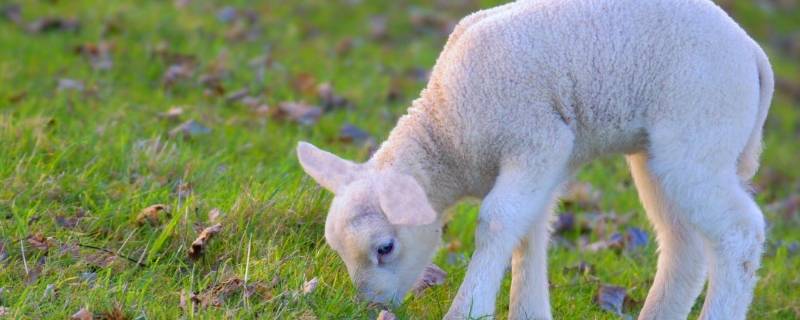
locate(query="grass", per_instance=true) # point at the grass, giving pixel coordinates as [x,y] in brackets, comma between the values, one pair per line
[106,152]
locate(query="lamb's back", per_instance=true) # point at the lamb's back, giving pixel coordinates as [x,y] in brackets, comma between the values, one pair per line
[602,67]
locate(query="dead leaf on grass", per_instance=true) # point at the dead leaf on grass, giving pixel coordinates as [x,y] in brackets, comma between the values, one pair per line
[173,114]
[69,222]
[12,12]
[582,194]
[199,244]
[151,214]
[40,242]
[66,84]
[787,208]
[564,222]
[237,95]
[329,99]
[304,83]
[177,73]
[189,129]
[36,270]
[3,252]
[299,112]
[352,134]
[379,27]
[215,296]
[386,315]
[115,313]
[17,97]
[214,215]
[82,314]
[582,268]
[310,285]
[611,298]
[100,259]
[98,54]
[48,24]
[432,276]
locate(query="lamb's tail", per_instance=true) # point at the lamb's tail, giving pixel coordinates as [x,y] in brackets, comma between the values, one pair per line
[748,160]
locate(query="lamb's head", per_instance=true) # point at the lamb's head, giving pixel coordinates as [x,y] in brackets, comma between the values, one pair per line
[380,223]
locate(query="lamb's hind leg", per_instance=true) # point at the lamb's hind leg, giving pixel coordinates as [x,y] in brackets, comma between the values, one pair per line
[700,188]
[529,286]
[681,261]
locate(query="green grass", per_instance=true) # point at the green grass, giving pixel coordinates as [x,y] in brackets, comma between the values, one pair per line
[106,152]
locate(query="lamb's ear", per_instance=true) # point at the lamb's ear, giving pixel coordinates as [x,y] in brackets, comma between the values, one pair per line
[330,171]
[403,200]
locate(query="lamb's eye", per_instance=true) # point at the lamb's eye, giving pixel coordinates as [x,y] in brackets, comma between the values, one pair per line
[386,248]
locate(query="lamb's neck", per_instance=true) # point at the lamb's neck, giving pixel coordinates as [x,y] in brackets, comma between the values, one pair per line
[415,148]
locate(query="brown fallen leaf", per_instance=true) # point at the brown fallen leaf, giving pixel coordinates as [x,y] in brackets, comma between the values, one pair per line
[189,129]
[17,97]
[115,313]
[66,84]
[299,112]
[310,285]
[162,51]
[583,195]
[71,250]
[82,314]
[237,95]
[582,268]
[611,298]
[187,298]
[432,276]
[151,214]
[36,270]
[304,83]
[48,24]
[3,252]
[307,315]
[199,244]
[69,222]
[214,215]
[177,73]
[378,27]
[386,315]
[100,259]
[328,98]
[12,12]
[564,222]
[40,242]
[173,114]
[184,190]
[352,134]
[98,54]
[788,208]
[216,295]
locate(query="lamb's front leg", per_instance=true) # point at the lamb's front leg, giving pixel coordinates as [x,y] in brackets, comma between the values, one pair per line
[507,214]
[529,286]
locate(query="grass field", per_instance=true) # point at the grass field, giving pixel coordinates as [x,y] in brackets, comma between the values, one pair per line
[87,142]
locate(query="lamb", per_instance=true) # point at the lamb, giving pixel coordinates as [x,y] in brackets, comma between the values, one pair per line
[525,93]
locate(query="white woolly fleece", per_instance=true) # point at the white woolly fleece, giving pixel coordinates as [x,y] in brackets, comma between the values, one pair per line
[525,93]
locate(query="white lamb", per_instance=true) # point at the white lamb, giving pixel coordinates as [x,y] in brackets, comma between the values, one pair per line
[523,95]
